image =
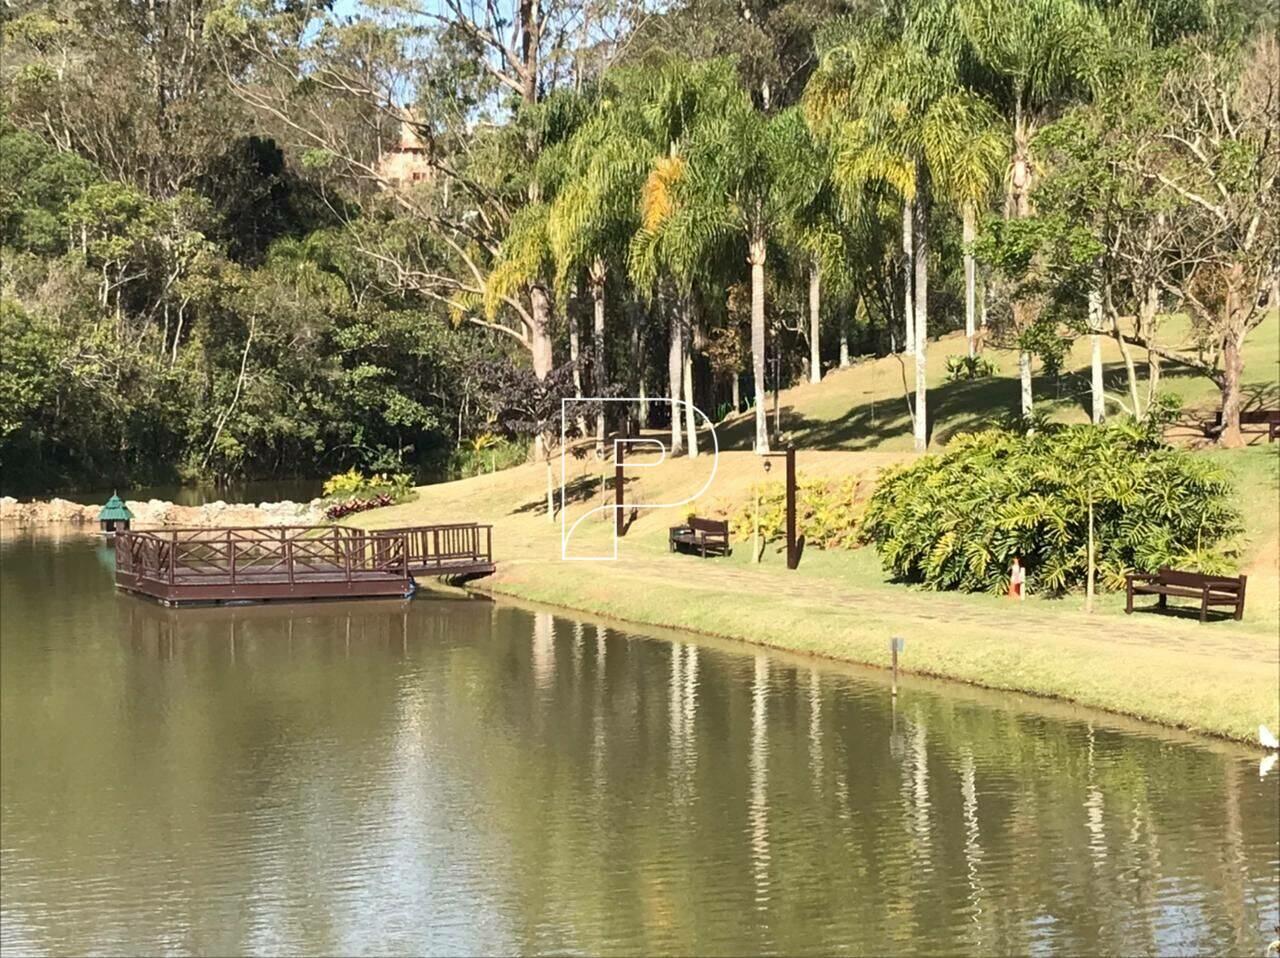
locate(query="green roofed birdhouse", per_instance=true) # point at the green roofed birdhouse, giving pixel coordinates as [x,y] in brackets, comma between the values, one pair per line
[115,515]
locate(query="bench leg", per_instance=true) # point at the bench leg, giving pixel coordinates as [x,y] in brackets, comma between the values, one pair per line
[1128,601]
[1239,609]
[1164,601]
[1204,611]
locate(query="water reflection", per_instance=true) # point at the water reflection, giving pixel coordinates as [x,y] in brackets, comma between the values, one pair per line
[463,777]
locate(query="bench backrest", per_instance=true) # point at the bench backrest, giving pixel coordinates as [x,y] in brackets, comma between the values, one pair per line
[717,526]
[1257,416]
[1252,417]
[1198,579]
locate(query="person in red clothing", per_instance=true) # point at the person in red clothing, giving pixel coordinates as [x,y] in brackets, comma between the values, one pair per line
[1017,580]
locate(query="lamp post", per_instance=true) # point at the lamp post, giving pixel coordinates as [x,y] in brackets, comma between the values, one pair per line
[793,545]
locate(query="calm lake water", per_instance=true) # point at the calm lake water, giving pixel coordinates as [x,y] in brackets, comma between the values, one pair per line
[451,776]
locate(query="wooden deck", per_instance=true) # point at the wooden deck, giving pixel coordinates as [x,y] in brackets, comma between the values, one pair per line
[292,563]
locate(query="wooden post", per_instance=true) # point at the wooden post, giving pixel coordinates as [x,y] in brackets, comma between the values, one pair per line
[793,557]
[619,496]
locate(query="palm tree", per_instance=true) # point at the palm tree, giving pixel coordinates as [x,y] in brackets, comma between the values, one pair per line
[965,143]
[679,235]
[596,212]
[1036,55]
[887,104]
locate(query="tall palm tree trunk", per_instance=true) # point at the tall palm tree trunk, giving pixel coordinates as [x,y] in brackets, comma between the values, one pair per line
[755,256]
[690,419]
[597,344]
[846,323]
[675,370]
[540,347]
[908,311]
[575,356]
[921,290]
[1096,386]
[970,278]
[815,321]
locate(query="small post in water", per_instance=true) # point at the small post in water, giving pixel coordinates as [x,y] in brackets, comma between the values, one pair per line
[896,645]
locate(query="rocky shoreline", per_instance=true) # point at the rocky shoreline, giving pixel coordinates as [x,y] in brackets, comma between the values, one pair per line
[158,512]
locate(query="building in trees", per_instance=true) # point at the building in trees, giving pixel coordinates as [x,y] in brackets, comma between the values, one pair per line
[408,161]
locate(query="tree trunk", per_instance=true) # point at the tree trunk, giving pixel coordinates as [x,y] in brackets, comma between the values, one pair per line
[540,333]
[597,345]
[690,418]
[1024,377]
[755,257]
[638,352]
[1232,398]
[846,328]
[575,357]
[920,287]
[737,392]
[908,259]
[815,321]
[1096,385]
[1092,563]
[675,369]
[970,278]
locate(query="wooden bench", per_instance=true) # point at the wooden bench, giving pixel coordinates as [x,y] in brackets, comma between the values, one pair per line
[708,537]
[1209,589]
[1251,420]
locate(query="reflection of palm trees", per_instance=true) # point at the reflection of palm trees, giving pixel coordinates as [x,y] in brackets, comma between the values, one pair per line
[759,807]
[544,649]
[815,729]
[972,844]
[1093,813]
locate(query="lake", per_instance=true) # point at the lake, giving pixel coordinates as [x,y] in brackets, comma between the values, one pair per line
[457,776]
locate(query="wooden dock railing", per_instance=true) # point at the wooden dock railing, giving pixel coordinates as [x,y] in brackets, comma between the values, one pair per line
[279,562]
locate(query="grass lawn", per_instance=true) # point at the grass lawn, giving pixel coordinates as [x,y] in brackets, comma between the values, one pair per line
[1222,678]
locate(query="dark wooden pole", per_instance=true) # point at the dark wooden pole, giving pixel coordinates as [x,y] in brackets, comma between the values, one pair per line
[618,496]
[793,556]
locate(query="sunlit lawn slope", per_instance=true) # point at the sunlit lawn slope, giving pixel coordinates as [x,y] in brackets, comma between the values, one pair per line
[1220,678]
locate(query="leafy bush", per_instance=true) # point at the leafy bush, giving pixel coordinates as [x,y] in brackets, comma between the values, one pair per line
[960,368]
[485,453]
[354,483]
[957,520]
[827,513]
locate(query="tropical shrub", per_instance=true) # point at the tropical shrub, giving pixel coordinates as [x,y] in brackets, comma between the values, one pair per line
[958,519]
[827,513]
[960,368]
[486,453]
[354,483]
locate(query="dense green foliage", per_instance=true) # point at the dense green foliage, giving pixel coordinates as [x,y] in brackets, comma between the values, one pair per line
[957,520]
[229,248]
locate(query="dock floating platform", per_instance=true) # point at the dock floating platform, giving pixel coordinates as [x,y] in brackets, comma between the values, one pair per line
[294,563]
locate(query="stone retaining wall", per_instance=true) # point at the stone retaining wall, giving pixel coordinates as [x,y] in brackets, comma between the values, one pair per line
[157,512]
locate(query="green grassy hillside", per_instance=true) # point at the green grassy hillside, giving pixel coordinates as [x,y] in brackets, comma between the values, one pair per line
[864,407]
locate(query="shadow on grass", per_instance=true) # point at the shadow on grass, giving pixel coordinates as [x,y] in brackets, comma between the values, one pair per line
[576,491]
[1185,612]
[966,406]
